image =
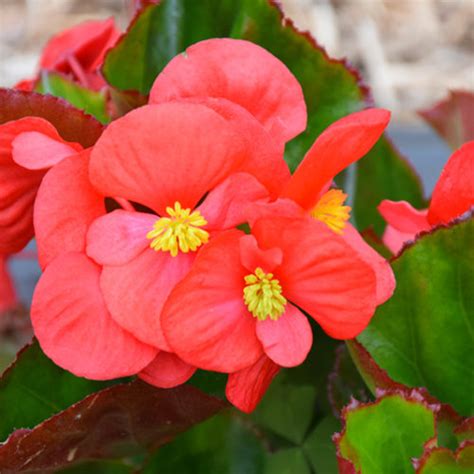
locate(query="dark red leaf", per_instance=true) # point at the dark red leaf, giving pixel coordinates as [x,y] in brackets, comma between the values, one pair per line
[453,117]
[118,421]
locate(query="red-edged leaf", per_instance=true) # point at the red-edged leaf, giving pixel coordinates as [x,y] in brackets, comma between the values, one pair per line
[453,117]
[72,124]
[115,422]
[444,461]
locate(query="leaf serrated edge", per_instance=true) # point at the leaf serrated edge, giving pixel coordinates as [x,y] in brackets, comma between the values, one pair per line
[346,466]
[420,463]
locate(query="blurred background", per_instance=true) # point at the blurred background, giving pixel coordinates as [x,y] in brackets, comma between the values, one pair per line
[410,52]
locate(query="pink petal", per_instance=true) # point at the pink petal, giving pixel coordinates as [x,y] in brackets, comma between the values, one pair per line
[66,206]
[228,204]
[265,152]
[394,240]
[403,216]
[74,327]
[246,388]
[159,154]
[321,274]
[241,72]
[381,267]
[118,237]
[251,256]
[344,142]
[136,292]
[36,151]
[167,371]
[205,319]
[453,194]
[286,341]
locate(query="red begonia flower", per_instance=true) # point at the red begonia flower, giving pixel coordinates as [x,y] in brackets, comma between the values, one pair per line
[8,298]
[241,72]
[217,319]
[78,52]
[28,147]
[306,192]
[161,158]
[453,195]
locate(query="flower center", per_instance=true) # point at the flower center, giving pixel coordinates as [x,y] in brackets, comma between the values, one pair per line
[331,211]
[262,295]
[179,231]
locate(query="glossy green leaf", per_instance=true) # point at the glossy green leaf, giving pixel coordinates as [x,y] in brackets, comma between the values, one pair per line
[223,445]
[424,335]
[443,461]
[58,85]
[331,88]
[383,437]
[34,388]
[320,449]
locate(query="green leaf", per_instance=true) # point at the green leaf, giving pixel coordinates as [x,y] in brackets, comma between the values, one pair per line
[223,445]
[34,388]
[287,409]
[320,449]
[287,461]
[58,85]
[423,336]
[331,88]
[383,437]
[443,461]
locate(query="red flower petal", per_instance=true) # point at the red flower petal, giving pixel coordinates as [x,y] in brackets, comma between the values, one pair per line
[453,194]
[251,256]
[65,207]
[159,154]
[74,327]
[246,388]
[344,142]
[385,279]
[241,72]
[205,319]
[36,151]
[403,216]
[18,185]
[167,371]
[227,205]
[86,42]
[118,237]
[136,292]
[321,274]
[266,153]
[286,341]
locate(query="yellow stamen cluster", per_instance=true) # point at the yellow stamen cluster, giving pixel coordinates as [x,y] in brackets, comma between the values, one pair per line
[178,232]
[331,211]
[262,295]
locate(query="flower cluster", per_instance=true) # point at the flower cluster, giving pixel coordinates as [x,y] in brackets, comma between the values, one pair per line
[180,240]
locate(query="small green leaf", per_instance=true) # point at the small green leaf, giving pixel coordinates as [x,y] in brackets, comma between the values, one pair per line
[383,437]
[320,449]
[92,102]
[424,335]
